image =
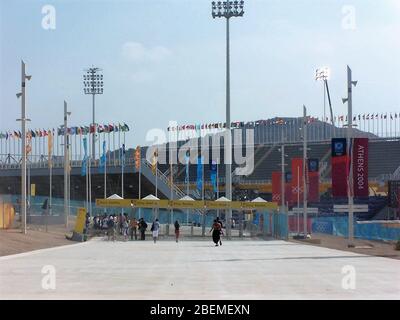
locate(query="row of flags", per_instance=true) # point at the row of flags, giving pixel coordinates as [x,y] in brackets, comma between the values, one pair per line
[369,116]
[236,125]
[281,121]
[82,130]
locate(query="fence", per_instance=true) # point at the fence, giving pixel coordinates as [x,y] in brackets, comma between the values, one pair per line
[338,226]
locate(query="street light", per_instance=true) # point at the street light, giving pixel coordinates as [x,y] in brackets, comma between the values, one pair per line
[228,9]
[23,120]
[93,84]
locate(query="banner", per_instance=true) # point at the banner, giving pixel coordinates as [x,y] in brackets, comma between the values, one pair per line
[200,174]
[313,180]
[187,159]
[297,180]
[50,147]
[288,187]
[80,220]
[213,175]
[103,159]
[360,167]
[84,160]
[339,167]
[277,187]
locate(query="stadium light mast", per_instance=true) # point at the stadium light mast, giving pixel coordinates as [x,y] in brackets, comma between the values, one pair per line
[227,10]
[23,132]
[349,100]
[324,74]
[93,84]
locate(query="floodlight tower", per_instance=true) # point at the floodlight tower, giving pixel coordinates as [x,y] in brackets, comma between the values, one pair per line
[324,74]
[93,84]
[227,10]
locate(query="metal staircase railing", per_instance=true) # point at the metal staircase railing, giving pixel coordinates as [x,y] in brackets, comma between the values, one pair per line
[166,180]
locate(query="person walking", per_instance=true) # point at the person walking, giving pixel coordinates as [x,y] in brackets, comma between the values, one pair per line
[177,226]
[155,228]
[110,228]
[216,232]
[125,226]
[133,224]
[221,232]
[142,229]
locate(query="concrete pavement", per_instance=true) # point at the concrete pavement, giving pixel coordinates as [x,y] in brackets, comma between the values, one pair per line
[195,269]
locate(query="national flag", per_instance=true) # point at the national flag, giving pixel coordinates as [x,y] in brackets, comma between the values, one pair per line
[50,147]
[137,157]
[213,175]
[84,160]
[123,155]
[199,180]
[154,162]
[187,161]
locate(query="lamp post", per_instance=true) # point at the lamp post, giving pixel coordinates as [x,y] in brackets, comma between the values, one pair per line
[227,10]
[66,164]
[93,84]
[349,100]
[23,132]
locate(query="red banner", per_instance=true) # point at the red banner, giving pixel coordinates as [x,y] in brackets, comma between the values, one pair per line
[297,180]
[339,167]
[277,187]
[313,180]
[360,167]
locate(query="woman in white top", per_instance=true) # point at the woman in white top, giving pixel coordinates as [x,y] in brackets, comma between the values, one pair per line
[155,228]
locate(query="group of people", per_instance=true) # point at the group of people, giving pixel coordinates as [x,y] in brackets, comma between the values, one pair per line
[126,227]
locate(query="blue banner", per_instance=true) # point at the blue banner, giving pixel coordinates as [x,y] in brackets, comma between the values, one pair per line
[200,174]
[213,175]
[84,160]
[103,159]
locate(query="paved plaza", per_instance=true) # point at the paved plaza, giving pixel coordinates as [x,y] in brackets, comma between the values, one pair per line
[195,269]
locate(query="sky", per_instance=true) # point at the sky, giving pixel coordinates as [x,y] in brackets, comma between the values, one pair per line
[164,60]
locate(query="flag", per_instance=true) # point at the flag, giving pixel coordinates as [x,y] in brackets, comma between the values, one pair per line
[137,157]
[187,158]
[213,175]
[103,159]
[154,162]
[123,155]
[350,188]
[84,160]
[200,173]
[50,147]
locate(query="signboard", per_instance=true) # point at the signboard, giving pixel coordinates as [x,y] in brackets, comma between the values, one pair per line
[80,220]
[345,208]
[33,189]
[339,167]
[360,167]
[184,204]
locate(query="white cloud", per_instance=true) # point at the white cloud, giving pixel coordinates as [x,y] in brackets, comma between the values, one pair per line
[137,52]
